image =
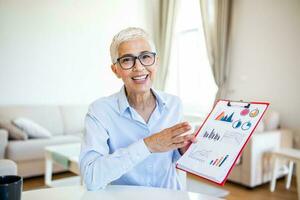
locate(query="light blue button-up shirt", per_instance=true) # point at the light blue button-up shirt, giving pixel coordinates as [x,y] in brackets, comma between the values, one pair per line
[113,150]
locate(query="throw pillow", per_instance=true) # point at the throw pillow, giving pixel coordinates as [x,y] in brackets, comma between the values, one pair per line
[33,129]
[14,133]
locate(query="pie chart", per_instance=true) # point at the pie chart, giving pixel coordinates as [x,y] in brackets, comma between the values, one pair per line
[244,112]
[237,124]
[246,126]
[254,113]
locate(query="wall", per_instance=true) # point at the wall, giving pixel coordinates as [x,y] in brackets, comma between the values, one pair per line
[57,52]
[264,55]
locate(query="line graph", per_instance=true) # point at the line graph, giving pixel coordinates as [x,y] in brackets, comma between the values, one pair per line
[200,154]
[234,138]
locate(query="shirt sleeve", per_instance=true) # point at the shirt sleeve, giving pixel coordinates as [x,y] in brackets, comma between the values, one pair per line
[176,153]
[97,166]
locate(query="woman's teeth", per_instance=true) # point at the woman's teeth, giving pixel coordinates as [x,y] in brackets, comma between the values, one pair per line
[140,77]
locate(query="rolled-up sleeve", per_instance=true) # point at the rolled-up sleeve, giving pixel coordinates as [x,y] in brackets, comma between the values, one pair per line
[176,155]
[97,166]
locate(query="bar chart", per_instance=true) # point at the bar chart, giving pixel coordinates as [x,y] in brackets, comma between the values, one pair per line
[219,161]
[212,135]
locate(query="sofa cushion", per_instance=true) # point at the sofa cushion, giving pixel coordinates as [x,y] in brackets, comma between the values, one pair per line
[3,142]
[7,167]
[47,116]
[14,132]
[73,118]
[32,129]
[34,148]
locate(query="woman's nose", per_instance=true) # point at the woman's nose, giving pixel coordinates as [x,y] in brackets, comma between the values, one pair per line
[138,65]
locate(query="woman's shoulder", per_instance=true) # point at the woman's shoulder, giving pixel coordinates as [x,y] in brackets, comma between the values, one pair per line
[104,104]
[168,98]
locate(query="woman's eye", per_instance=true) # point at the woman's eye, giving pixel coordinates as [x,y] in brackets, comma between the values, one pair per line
[145,56]
[124,60]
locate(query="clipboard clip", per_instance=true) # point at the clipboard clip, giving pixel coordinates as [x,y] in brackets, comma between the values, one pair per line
[241,101]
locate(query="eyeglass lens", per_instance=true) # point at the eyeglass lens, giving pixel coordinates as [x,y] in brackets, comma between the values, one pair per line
[146,59]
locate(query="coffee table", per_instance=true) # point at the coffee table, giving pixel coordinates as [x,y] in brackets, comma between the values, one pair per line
[113,192]
[66,155]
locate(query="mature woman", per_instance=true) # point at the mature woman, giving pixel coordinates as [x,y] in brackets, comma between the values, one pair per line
[134,137]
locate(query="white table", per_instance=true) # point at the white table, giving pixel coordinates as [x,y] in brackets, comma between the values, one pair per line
[67,154]
[113,192]
[290,155]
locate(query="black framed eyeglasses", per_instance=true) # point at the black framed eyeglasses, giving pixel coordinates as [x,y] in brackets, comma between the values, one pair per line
[128,61]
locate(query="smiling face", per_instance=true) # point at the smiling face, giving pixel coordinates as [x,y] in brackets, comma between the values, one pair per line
[139,78]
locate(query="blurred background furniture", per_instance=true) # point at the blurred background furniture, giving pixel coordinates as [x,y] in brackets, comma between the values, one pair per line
[290,156]
[66,124]
[8,167]
[67,156]
[255,167]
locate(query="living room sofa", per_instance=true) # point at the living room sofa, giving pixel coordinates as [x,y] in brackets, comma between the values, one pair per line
[66,124]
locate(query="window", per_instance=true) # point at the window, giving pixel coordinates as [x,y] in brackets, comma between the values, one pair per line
[190,76]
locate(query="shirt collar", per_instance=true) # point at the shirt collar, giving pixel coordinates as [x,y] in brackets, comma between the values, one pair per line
[124,105]
[161,102]
[122,101]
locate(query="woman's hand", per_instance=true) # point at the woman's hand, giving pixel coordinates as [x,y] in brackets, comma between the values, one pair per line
[169,138]
[182,150]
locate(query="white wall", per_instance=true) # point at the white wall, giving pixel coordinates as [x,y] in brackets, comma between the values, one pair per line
[57,51]
[265,55]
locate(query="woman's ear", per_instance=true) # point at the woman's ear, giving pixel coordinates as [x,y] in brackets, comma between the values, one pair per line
[115,70]
[157,62]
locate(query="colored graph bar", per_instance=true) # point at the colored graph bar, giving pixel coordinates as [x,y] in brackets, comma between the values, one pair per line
[205,134]
[215,161]
[220,116]
[220,160]
[223,160]
[212,135]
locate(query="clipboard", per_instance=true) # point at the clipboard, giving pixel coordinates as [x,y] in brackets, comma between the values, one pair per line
[221,139]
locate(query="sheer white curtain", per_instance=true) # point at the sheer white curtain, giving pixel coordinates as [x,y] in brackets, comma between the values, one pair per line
[167,12]
[190,76]
[216,22]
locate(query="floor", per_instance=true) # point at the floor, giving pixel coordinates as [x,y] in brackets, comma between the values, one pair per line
[237,192]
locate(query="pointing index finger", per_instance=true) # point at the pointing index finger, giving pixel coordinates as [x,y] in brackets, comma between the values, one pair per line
[180,125]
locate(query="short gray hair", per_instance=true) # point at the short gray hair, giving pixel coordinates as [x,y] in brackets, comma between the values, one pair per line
[127,34]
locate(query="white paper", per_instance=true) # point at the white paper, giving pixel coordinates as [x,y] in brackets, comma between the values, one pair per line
[220,140]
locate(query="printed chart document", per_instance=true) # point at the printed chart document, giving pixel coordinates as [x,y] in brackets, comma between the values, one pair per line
[221,139]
